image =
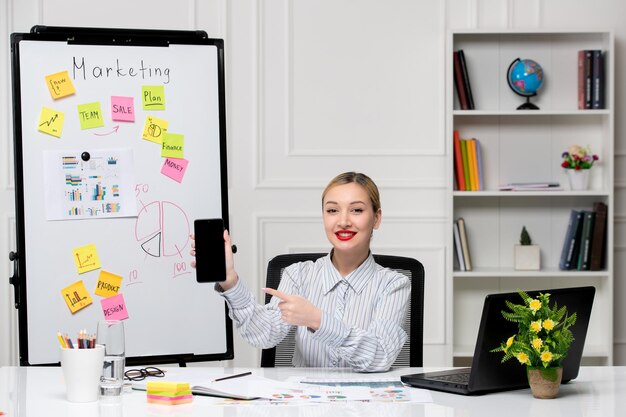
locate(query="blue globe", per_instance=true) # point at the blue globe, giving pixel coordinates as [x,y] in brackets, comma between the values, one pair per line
[525,77]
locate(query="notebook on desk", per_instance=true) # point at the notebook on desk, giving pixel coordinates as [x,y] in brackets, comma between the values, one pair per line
[488,373]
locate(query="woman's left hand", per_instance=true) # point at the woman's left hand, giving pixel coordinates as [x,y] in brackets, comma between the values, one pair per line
[297,310]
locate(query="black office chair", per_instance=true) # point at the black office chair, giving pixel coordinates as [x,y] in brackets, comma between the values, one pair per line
[412,351]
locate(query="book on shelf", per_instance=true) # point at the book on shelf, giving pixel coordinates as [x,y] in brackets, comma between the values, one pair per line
[458,162]
[597,85]
[458,82]
[531,186]
[457,246]
[581,80]
[466,173]
[479,162]
[591,80]
[598,239]
[464,244]
[585,241]
[466,80]
[471,163]
[571,241]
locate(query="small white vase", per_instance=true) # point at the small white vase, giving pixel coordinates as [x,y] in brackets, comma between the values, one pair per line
[578,179]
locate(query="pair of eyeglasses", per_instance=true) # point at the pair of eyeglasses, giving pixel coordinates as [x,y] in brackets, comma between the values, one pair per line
[143,373]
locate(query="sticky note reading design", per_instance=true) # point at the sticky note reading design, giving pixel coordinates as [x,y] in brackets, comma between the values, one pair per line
[154,129]
[108,284]
[123,109]
[76,296]
[114,308]
[51,122]
[60,84]
[174,168]
[86,258]
[90,115]
[153,97]
[173,146]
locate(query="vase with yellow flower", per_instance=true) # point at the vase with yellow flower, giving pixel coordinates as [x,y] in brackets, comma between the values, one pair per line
[577,161]
[541,343]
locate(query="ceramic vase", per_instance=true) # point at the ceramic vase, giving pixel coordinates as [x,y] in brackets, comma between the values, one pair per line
[544,382]
[527,257]
[578,179]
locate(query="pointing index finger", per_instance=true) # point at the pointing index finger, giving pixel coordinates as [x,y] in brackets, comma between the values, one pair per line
[276,293]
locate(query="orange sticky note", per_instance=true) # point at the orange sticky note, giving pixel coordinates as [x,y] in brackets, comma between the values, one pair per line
[108,284]
[51,122]
[154,129]
[76,296]
[60,85]
[86,258]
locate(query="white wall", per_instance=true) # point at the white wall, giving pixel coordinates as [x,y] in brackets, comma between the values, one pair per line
[315,88]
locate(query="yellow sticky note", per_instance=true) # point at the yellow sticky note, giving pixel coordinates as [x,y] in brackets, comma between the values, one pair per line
[90,115]
[76,296]
[153,97]
[108,284]
[51,121]
[154,129]
[86,258]
[173,146]
[60,84]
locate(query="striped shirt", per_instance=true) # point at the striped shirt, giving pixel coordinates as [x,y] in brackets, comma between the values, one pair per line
[362,315]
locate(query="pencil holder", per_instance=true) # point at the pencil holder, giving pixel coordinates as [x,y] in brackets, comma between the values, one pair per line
[82,369]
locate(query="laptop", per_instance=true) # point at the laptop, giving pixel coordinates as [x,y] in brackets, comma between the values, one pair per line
[488,373]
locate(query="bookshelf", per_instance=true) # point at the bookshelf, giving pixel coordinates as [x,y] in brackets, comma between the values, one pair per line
[526,146]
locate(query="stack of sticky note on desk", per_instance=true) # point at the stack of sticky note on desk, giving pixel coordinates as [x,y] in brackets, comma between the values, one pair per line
[168,393]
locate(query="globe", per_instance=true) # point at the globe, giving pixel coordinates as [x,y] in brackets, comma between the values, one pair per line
[525,78]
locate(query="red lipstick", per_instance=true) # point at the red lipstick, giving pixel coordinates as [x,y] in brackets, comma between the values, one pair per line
[345,234]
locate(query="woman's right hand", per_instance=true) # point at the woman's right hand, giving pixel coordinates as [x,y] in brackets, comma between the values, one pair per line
[231,274]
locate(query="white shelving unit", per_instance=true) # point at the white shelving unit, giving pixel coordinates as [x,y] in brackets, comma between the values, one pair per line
[522,146]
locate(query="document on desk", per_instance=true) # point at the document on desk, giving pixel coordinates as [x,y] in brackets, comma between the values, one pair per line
[243,388]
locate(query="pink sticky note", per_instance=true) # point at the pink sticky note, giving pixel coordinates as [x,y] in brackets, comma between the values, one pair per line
[114,308]
[174,168]
[122,109]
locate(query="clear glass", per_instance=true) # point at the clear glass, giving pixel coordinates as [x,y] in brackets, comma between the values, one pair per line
[111,336]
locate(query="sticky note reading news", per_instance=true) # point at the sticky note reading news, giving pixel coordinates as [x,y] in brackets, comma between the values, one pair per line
[60,84]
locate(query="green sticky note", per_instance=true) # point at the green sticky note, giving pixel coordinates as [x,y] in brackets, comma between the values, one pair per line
[173,146]
[90,115]
[153,97]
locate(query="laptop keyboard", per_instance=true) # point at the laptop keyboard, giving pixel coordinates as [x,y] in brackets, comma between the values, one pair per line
[462,378]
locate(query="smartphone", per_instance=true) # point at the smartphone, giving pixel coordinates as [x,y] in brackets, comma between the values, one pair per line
[210,255]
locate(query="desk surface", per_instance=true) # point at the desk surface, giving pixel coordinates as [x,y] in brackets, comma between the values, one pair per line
[40,391]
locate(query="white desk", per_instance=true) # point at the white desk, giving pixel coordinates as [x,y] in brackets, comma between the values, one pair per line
[40,392]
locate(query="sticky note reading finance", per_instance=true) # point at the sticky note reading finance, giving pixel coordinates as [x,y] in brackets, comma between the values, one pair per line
[153,97]
[60,84]
[154,129]
[90,115]
[51,122]
[108,284]
[76,296]
[114,308]
[86,258]
[173,146]
[122,109]
[174,168]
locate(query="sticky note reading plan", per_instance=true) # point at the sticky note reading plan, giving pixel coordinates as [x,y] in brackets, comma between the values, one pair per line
[173,146]
[51,122]
[108,284]
[86,258]
[90,115]
[76,296]
[114,308]
[153,97]
[154,129]
[122,109]
[174,168]
[60,85]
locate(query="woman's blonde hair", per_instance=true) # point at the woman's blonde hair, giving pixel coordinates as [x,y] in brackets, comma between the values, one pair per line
[361,179]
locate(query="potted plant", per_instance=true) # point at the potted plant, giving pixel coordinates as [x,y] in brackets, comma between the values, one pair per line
[527,255]
[577,162]
[541,343]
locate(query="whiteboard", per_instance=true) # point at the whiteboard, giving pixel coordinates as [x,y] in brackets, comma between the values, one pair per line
[171,317]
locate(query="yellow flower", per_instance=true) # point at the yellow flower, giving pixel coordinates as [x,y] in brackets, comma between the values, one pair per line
[548,324]
[537,343]
[535,305]
[522,358]
[546,356]
[509,342]
[535,326]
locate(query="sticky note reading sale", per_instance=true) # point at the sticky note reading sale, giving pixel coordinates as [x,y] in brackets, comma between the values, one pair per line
[153,97]
[174,168]
[86,258]
[114,308]
[173,146]
[51,122]
[76,296]
[90,115]
[154,129]
[122,109]
[108,284]
[60,84]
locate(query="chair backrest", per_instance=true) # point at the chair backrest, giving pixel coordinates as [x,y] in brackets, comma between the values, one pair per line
[412,351]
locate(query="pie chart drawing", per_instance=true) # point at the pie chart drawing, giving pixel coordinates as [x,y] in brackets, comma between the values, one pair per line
[162,228]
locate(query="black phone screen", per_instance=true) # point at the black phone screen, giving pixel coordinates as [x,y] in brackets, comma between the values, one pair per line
[210,256]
